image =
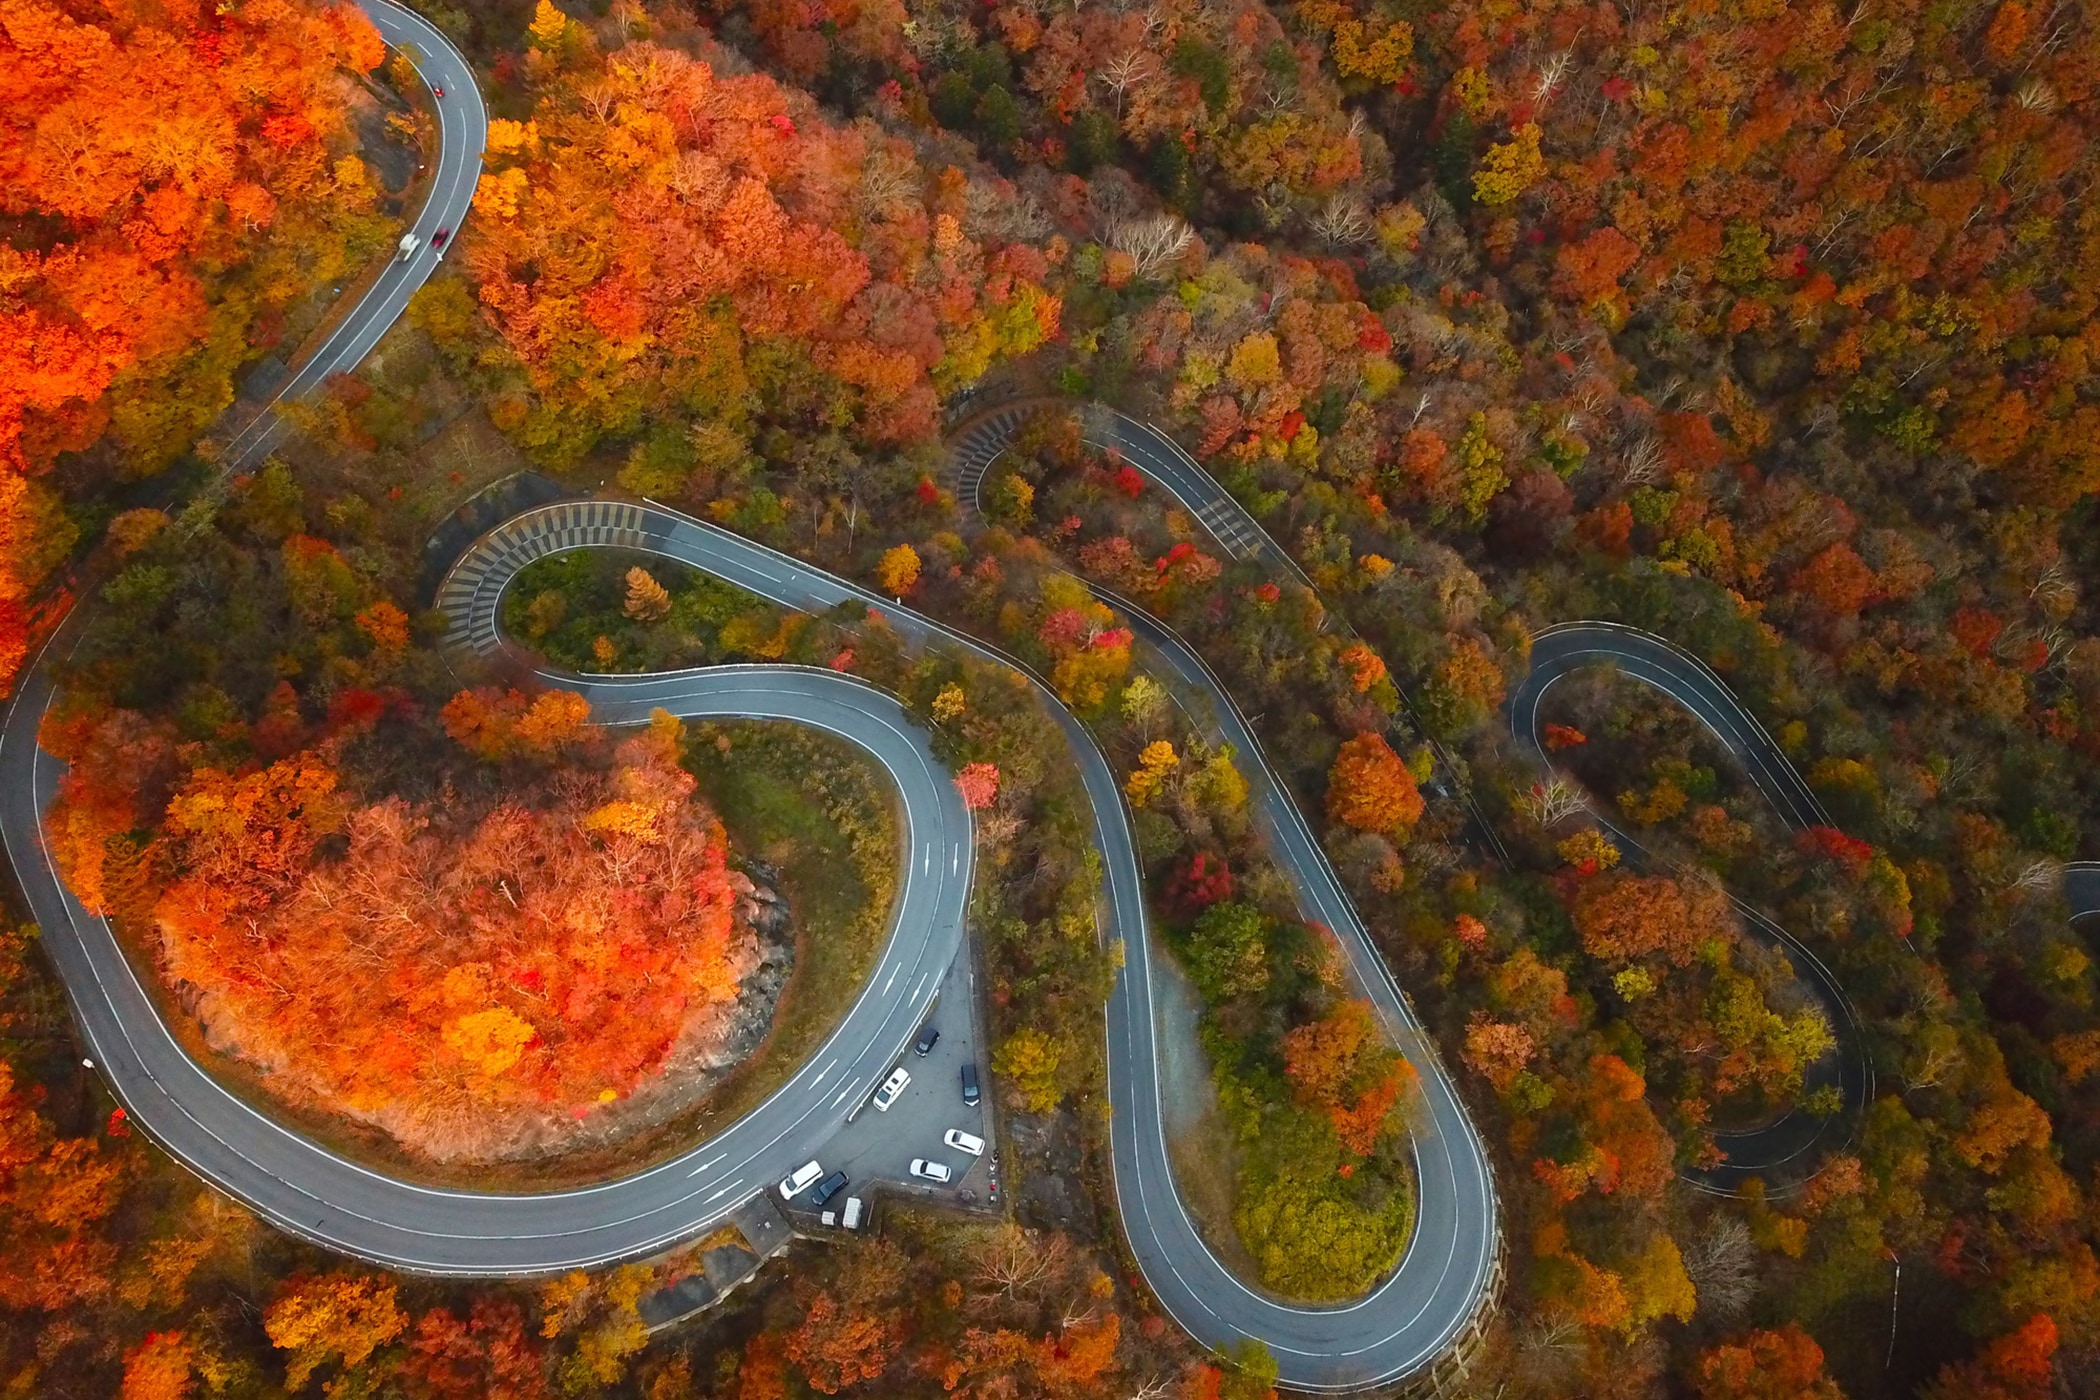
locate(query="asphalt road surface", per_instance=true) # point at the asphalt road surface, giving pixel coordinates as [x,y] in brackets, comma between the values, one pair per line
[1417,1313]
[1787,1152]
[1409,1320]
[311,1192]
[463,128]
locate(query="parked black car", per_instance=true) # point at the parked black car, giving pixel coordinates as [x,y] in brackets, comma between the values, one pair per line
[969,1083]
[928,1038]
[827,1188]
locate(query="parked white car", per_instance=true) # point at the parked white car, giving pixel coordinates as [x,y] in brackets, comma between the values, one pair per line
[891,1087]
[930,1171]
[964,1142]
[799,1180]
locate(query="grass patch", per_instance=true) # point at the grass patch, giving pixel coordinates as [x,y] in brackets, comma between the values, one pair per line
[817,812]
[573,607]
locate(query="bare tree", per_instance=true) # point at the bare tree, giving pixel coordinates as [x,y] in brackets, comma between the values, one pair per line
[2036,96]
[1722,1265]
[1344,222]
[1642,463]
[1550,78]
[1018,1262]
[1120,75]
[1549,804]
[1154,243]
[1545,1345]
[1934,1055]
[2040,877]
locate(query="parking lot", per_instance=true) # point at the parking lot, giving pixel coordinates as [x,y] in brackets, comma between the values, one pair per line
[878,1146]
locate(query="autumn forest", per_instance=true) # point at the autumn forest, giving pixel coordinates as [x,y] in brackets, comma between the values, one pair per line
[1766,332]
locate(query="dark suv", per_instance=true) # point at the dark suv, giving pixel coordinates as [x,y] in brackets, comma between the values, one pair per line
[928,1038]
[969,1083]
[827,1188]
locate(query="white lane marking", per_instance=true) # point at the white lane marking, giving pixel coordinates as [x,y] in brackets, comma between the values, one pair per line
[893,979]
[823,1072]
[723,1192]
[705,1165]
[845,1092]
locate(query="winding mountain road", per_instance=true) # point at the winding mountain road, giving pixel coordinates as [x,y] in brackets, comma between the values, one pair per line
[1453,1260]
[463,129]
[1783,1153]
[1414,1316]
[1452,1263]
[310,1191]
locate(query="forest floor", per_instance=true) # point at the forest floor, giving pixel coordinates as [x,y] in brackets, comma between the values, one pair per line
[1200,1144]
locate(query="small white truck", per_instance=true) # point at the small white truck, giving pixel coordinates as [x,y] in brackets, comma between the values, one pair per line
[409,244]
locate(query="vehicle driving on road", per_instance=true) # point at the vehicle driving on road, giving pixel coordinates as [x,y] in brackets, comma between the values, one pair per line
[891,1087]
[930,1171]
[408,245]
[798,1180]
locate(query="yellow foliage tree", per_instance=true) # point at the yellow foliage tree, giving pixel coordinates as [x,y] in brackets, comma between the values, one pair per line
[898,570]
[634,820]
[1589,850]
[1029,1058]
[492,1040]
[549,26]
[1218,784]
[331,1316]
[1657,1285]
[1510,167]
[1155,765]
[1255,362]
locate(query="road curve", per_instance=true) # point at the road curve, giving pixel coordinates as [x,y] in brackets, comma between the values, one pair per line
[311,1192]
[1452,1262]
[1782,1154]
[463,128]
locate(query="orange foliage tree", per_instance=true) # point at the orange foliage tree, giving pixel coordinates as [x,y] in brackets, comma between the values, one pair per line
[166,174]
[1370,788]
[53,1193]
[1339,1063]
[663,238]
[1623,917]
[483,971]
[1782,1365]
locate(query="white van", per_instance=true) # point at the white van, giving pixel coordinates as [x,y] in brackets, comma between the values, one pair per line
[851,1220]
[891,1087]
[799,1182]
